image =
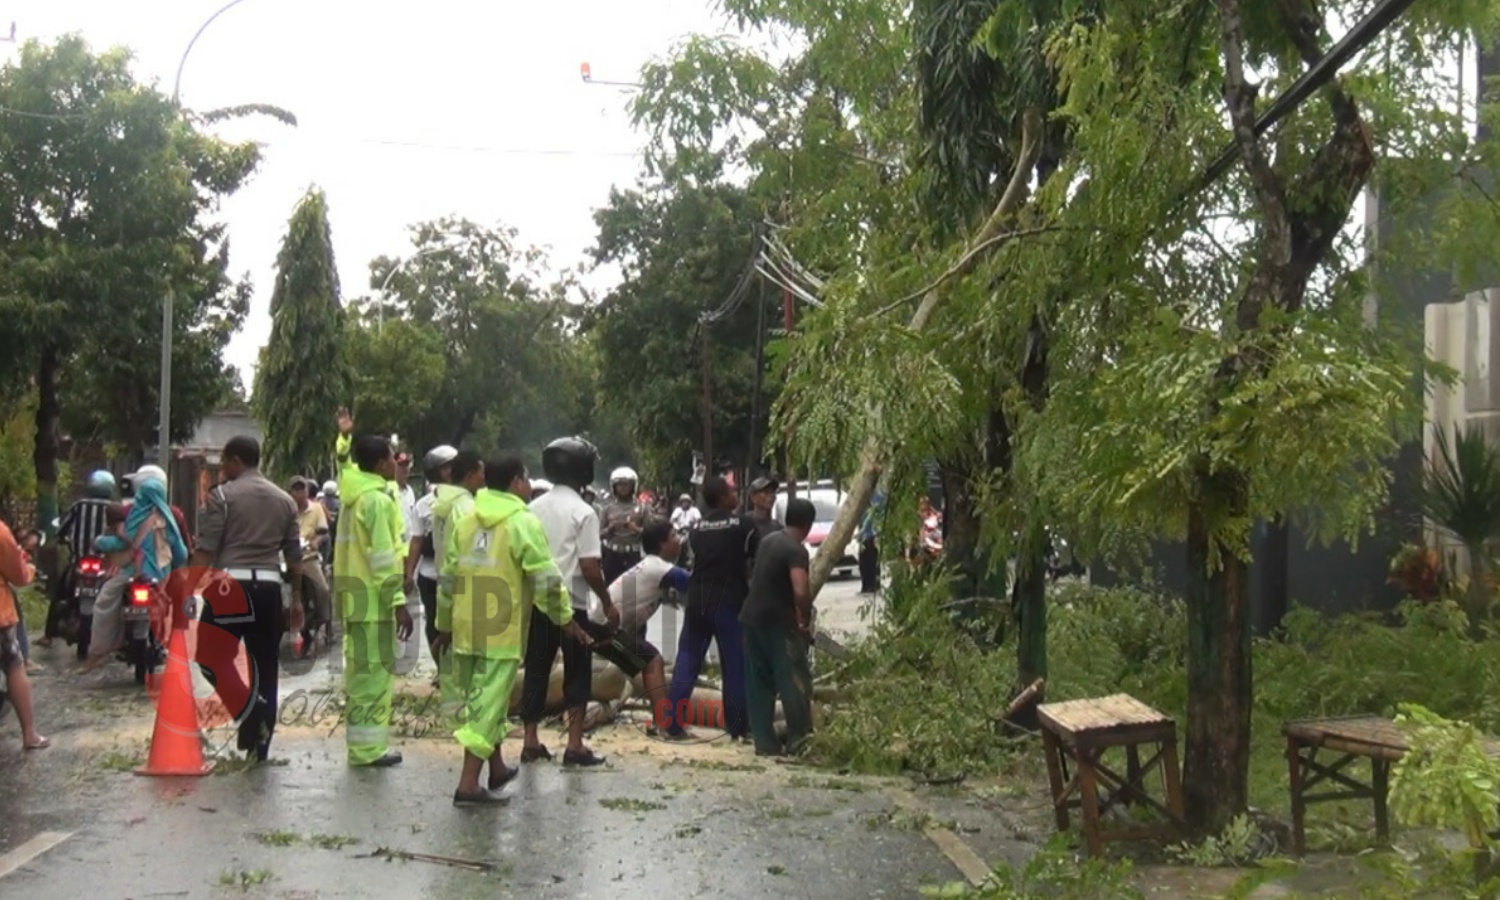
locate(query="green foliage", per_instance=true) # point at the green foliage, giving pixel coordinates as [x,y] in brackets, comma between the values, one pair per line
[504,342]
[1448,777]
[1461,495]
[17,439]
[378,351]
[1241,843]
[1053,874]
[302,375]
[106,204]
[682,249]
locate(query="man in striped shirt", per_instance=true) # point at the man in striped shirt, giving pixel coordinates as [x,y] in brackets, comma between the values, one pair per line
[84,521]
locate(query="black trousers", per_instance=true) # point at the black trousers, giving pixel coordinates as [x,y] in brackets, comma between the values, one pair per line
[616,563]
[427,588]
[260,631]
[869,567]
[542,645]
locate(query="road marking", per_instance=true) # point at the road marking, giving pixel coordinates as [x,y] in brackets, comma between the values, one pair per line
[963,857]
[30,850]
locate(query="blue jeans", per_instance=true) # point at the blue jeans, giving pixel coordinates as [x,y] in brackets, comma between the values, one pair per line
[709,617]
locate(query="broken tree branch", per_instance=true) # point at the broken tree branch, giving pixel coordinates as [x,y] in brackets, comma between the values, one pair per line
[871,458]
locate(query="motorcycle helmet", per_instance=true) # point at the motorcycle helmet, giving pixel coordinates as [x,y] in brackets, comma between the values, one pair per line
[101,485]
[569,461]
[438,457]
[624,473]
[539,486]
[330,488]
[154,473]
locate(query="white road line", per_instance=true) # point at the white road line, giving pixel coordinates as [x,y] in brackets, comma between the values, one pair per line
[963,857]
[30,850]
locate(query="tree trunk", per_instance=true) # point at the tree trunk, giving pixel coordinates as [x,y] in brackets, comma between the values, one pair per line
[44,453]
[1477,597]
[1275,583]
[1216,766]
[1029,606]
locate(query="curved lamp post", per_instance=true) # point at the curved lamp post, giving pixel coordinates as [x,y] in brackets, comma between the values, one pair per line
[164,423]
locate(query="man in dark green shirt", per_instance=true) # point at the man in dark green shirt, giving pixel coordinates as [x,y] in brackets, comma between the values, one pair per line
[777,617]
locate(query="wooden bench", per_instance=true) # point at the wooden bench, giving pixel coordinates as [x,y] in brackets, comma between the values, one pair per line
[1349,738]
[1081,731]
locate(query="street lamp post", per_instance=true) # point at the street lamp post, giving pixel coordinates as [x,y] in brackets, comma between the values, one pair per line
[164,401]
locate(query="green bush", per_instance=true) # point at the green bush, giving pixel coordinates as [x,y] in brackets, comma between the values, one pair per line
[922,695]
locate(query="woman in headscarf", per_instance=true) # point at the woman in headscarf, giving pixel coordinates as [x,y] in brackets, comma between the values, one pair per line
[151,545]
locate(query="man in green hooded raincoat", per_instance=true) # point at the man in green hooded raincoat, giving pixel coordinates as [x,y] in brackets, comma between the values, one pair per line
[451,502]
[498,565]
[367,576]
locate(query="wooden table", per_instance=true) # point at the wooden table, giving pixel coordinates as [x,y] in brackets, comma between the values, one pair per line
[1349,738]
[1081,731]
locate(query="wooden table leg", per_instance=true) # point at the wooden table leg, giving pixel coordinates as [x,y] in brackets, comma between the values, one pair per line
[1088,790]
[1380,785]
[1171,773]
[1299,807]
[1052,750]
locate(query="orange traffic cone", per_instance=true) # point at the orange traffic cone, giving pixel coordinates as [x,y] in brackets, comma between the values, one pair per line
[176,743]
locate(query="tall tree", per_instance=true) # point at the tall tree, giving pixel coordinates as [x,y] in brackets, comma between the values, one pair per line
[302,373]
[502,331]
[106,198]
[683,249]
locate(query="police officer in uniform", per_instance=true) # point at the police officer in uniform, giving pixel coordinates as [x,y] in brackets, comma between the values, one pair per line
[620,524]
[248,528]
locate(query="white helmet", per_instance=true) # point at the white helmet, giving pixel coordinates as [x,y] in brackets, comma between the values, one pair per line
[330,488]
[540,485]
[624,473]
[149,473]
[438,457]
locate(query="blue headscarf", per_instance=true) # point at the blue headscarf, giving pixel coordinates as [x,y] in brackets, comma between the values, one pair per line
[151,497]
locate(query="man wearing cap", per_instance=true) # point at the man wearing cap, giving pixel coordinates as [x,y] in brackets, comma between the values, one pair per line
[312,528]
[249,526]
[762,501]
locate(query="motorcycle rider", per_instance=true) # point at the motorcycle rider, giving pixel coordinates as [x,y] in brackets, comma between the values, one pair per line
[620,524]
[84,521]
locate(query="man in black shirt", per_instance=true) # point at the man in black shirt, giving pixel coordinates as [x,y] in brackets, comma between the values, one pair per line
[83,522]
[723,544]
[778,629]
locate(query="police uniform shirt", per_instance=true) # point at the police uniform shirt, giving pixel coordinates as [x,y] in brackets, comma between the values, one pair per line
[249,523]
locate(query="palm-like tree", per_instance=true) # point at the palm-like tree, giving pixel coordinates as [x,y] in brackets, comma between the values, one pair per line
[1461,495]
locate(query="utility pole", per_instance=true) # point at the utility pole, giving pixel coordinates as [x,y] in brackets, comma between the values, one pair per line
[708,403]
[164,423]
[760,365]
[788,319]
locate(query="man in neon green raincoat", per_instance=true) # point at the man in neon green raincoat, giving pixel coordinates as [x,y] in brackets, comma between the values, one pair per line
[451,503]
[347,468]
[367,575]
[498,564]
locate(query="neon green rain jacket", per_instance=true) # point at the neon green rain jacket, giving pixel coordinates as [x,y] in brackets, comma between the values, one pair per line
[348,468]
[500,565]
[367,570]
[449,505]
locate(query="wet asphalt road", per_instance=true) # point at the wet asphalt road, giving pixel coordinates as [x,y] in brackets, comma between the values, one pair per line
[691,820]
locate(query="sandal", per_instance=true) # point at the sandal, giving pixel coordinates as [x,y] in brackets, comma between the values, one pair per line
[483,798]
[41,743]
[586,758]
[532,754]
[507,775]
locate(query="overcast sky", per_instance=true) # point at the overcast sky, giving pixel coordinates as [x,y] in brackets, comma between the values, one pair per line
[407,111]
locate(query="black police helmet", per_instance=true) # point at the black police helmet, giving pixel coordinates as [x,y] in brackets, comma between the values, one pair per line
[569,461]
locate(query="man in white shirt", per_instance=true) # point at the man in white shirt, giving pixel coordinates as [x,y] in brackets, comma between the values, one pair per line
[572,527]
[638,594]
[686,515]
[410,650]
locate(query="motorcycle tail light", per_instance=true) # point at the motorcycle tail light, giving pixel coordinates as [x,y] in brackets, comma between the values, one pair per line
[90,566]
[140,595]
